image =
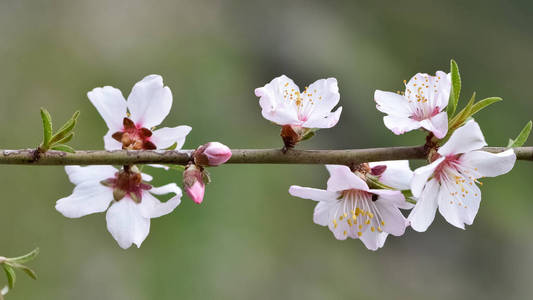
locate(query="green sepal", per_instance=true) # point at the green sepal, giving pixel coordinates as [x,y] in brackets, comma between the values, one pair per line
[455,91]
[522,137]
[47,128]
[11,276]
[25,258]
[64,148]
[118,194]
[206,177]
[65,129]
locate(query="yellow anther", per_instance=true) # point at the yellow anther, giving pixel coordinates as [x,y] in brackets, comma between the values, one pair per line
[367,222]
[372,228]
[359,233]
[382,223]
[371,215]
[344,232]
[360,227]
[379,229]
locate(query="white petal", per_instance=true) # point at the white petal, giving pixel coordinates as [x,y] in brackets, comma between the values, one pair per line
[321,97]
[326,121]
[395,222]
[424,211]
[321,213]
[126,224]
[146,177]
[400,125]
[151,207]
[275,101]
[149,101]
[444,86]
[372,240]
[398,174]
[110,143]
[395,198]
[111,105]
[465,139]
[166,168]
[342,178]
[87,198]
[459,203]
[94,174]
[313,194]
[166,136]
[438,124]
[487,164]
[392,104]
[421,176]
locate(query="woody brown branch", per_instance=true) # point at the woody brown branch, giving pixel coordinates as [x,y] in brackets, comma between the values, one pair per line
[240,156]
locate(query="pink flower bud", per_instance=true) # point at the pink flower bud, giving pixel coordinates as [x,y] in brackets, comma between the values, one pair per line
[212,154]
[193,183]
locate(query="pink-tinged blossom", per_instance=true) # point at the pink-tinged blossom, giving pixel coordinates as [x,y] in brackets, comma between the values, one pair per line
[421,105]
[126,195]
[212,154]
[194,184]
[351,209]
[131,122]
[453,179]
[283,103]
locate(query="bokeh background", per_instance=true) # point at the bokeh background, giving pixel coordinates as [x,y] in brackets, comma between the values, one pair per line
[250,239]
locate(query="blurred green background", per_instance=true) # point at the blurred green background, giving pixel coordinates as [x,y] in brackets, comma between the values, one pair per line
[250,239]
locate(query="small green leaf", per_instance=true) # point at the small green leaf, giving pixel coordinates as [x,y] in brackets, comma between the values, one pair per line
[481,104]
[64,148]
[65,129]
[25,269]
[172,147]
[308,135]
[25,258]
[10,273]
[66,139]
[462,116]
[456,88]
[522,136]
[47,127]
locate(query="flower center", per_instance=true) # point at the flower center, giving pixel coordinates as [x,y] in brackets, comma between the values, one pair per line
[127,183]
[423,113]
[134,137]
[357,211]
[304,101]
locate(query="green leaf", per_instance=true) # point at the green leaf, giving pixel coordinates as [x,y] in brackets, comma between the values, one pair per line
[25,258]
[522,136]
[65,129]
[47,127]
[64,148]
[481,104]
[456,88]
[10,273]
[25,269]
[462,116]
[66,139]
[308,135]
[172,147]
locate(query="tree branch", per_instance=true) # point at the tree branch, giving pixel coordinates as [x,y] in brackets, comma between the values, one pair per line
[240,156]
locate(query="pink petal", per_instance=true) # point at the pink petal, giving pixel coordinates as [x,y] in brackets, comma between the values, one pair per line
[313,194]
[465,139]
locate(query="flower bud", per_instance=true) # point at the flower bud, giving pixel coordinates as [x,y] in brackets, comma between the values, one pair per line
[193,183]
[212,154]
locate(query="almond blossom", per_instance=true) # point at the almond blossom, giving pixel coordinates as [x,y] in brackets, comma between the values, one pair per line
[131,122]
[126,195]
[351,209]
[282,103]
[421,105]
[453,178]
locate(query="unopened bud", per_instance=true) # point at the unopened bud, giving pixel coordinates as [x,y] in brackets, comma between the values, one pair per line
[212,154]
[193,183]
